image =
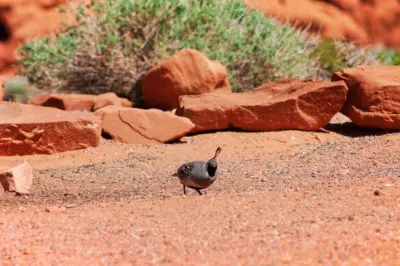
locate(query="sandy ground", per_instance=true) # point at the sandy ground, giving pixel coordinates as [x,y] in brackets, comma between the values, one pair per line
[281,198]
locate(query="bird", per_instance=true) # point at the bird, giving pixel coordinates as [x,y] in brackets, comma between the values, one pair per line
[198,175]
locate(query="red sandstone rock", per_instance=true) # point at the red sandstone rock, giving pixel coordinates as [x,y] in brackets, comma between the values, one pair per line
[188,72]
[138,126]
[28,129]
[285,104]
[18,179]
[324,18]
[110,98]
[26,19]
[82,102]
[374,95]
[68,102]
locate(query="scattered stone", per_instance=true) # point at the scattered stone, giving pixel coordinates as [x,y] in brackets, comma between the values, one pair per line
[79,102]
[56,209]
[188,72]
[28,129]
[377,193]
[6,181]
[285,104]
[18,179]
[139,126]
[374,95]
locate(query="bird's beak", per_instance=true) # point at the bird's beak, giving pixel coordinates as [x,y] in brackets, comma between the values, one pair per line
[175,174]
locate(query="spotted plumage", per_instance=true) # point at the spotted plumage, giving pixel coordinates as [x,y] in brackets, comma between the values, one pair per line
[198,174]
[185,169]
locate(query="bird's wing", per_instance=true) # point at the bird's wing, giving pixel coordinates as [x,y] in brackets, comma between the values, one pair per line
[185,170]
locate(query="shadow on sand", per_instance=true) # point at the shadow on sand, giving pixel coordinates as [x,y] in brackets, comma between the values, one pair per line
[350,129]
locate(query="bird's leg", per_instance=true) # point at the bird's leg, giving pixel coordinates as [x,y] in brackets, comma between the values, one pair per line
[198,191]
[184,189]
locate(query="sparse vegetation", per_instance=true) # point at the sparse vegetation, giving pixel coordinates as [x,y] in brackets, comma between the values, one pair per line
[18,89]
[112,48]
[126,38]
[336,55]
[388,56]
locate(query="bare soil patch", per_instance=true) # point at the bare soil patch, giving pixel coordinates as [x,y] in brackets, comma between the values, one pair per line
[289,197]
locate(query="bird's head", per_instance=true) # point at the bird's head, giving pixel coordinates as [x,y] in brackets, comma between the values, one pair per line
[212,163]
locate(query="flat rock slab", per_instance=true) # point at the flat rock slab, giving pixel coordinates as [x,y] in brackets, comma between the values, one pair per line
[79,102]
[138,126]
[285,104]
[28,129]
[374,96]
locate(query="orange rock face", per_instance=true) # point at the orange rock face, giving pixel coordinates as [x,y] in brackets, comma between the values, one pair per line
[285,104]
[366,22]
[138,126]
[21,20]
[374,95]
[28,129]
[188,72]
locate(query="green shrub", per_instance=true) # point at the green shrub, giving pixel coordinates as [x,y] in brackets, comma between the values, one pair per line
[327,54]
[18,89]
[113,49]
[388,56]
[336,55]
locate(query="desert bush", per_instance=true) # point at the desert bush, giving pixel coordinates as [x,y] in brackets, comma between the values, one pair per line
[336,55]
[119,41]
[388,56]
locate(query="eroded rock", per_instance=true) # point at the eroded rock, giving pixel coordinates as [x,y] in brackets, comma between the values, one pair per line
[81,102]
[138,126]
[285,104]
[188,72]
[374,95]
[28,129]
[18,179]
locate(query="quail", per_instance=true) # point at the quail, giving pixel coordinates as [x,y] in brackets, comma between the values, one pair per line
[198,175]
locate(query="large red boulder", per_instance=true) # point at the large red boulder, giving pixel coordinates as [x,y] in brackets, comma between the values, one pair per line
[188,72]
[374,95]
[28,129]
[139,126]
[81,102]
[284,104]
